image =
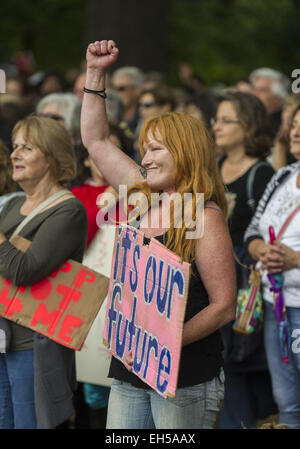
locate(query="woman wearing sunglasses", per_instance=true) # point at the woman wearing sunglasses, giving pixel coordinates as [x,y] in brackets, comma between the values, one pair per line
[156,101]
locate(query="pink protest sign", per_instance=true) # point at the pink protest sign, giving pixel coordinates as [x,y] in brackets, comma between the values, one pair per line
[146,306]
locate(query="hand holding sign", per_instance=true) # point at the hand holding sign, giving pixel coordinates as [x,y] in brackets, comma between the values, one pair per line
[146,307]
[61,306]
[128,360]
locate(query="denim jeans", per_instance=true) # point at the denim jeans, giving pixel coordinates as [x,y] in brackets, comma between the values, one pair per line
[17,390]
[285,376]
[248,398]
[194,407]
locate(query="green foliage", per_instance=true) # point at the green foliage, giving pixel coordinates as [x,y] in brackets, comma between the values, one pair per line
[52,29]
[224,40]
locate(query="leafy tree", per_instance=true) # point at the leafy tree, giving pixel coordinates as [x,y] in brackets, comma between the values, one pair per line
[52,29]
[223,40]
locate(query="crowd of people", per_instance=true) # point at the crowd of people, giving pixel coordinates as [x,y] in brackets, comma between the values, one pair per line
[65,140]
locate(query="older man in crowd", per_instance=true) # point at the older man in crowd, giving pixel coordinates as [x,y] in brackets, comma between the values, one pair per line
[271,87]
[128,81]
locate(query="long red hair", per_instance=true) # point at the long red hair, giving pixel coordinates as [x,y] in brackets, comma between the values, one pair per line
[196,171]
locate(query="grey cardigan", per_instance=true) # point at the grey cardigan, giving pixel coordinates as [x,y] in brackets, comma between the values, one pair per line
[57,234]
[252,231]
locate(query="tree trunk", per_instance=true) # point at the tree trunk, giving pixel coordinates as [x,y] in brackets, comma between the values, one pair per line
[139,29]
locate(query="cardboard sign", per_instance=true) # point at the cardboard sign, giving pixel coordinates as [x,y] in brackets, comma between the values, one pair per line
[61,306]
[146,306]
[93,360]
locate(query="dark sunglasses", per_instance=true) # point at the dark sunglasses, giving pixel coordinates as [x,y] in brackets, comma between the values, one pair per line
[123,88]
[146,105]
[53,116]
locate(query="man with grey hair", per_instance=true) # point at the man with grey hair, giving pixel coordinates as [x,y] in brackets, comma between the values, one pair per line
[271,87]
[64,107]
[128,82]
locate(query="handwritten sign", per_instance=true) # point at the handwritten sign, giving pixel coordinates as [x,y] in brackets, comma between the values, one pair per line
[93,360]
[61,306]
[146,306]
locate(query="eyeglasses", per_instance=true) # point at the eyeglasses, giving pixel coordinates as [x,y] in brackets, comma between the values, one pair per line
[146,105]
[123,88]
[223,121]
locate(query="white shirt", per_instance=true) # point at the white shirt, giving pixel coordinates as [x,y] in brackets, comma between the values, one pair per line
[281,205]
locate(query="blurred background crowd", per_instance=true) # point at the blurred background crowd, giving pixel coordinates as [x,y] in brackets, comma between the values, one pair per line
[223,61]
[135,95]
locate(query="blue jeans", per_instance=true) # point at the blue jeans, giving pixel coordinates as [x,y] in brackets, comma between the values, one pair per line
[17,390]
[285,376]
[248,397]
[194,407]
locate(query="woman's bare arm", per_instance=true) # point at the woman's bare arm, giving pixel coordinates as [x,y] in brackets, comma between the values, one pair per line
[115,165]
[215,263]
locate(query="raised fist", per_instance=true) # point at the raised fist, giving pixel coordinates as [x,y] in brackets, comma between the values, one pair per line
[101,54]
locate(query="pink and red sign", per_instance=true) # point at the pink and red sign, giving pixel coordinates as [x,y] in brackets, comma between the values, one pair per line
[146,306]
[62,306]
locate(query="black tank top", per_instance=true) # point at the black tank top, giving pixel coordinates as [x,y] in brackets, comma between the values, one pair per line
[200,361]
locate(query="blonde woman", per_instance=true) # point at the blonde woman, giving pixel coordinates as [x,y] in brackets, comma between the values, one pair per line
[177,156]
[37,375]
